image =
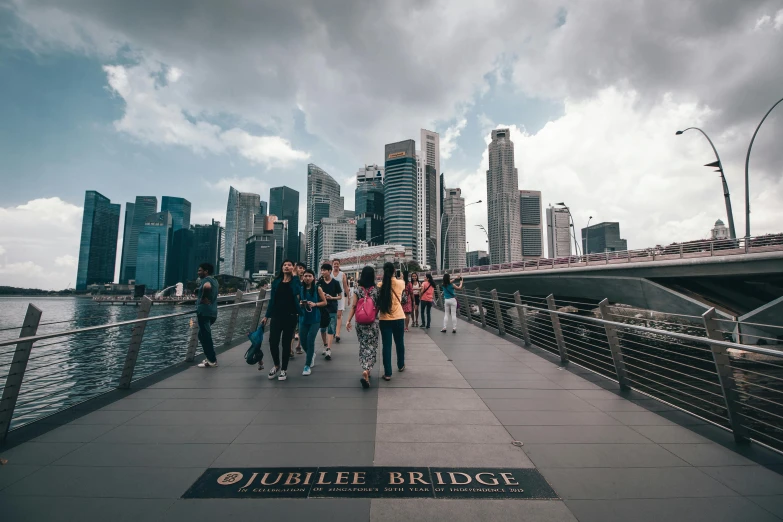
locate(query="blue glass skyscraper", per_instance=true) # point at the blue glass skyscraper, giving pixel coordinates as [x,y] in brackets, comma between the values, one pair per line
[400,195]
[179,208]
[144,206]
[154,246]
[284,203]
[98,245]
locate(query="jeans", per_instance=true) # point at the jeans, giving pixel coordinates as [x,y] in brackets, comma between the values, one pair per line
[450,308]
[282,327]
[205,336]
[300,325]
[394,328]
[332,324]
[426,313]
[307,334]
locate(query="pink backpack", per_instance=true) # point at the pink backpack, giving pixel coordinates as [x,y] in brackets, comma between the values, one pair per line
[365,308]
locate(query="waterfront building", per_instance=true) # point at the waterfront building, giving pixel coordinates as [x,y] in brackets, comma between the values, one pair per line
[208,246]
[477,258]
[361,255]
[558,231]
[181,267]
[530,224]
[281,235]
[284,203]
[323,201]
[143,207]
[126,235]
[603,237]
[240,217]
[429,201]
[98,243]
[369,204]
[154,247]
[503,200]
[400,195]
[719,231]
[261,254]
[333,235]
[179,208]
[454,229]
[302,248]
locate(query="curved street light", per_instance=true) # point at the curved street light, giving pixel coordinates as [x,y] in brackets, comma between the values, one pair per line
[587,237]
[719,165]
[446,235]
[747,183]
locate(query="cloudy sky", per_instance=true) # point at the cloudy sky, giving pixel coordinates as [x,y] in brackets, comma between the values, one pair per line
[186,98]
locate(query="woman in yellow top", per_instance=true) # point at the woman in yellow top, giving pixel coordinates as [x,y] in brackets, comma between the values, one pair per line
[391,319]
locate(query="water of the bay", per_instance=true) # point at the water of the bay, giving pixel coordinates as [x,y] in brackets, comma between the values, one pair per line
[68,370]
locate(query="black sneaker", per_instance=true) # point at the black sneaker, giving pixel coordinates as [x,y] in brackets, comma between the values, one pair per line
[328,355]
[337,339]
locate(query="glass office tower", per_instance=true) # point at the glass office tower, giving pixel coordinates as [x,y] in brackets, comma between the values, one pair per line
[284,203]
[154,247]
[144,206]
[179,208]
[241,211]
[400,195]
[98,244]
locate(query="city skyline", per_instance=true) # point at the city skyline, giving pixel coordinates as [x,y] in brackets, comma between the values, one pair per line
[95,101]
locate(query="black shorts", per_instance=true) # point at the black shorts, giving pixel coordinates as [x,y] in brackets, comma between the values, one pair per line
[416,299]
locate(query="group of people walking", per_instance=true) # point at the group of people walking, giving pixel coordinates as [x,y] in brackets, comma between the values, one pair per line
[382,311]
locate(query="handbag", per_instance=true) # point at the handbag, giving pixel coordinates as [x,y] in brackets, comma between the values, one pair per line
[254,354]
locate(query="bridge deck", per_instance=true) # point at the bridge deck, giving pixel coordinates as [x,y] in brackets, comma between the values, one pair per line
[461,402]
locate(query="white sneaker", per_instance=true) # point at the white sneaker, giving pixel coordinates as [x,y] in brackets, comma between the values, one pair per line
[328,355]
[306,370]
[272,373]
[206,364]
[282,376]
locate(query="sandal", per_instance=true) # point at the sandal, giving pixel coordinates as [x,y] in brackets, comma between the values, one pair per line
[365,380]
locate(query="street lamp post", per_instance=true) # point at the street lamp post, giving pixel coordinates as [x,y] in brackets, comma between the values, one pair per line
[446,235]
[747,182]
[587,237]
[719,165]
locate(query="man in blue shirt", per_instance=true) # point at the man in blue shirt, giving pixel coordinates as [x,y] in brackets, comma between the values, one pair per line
[206,313]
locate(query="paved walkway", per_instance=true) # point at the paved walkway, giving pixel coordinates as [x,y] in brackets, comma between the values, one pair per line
[461,402]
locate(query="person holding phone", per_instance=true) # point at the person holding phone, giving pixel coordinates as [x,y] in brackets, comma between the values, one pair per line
[450,302]
[427,297]
[391,319]
[311,301]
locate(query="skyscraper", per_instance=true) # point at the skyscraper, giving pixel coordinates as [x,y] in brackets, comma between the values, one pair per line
[154,247]
[429,210]
[144,206]
[240,215]
[98,244]
[603,237]
[208,245]
[530,224]
[126,235]
[454,231]
[334,235]
[284,203]
[369,204]
[179,208]
[503,200]
[281,235]
[400,195]
[558,232]
[323,200]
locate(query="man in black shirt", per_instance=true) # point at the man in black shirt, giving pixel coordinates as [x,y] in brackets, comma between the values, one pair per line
[333,293]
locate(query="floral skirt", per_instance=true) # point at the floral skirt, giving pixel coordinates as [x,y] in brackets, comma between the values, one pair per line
[368,344]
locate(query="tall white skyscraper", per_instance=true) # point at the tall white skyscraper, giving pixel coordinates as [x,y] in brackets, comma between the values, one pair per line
[428,199]
[241,211]
[454,229]
[323,201]
[503,200]
[558,232]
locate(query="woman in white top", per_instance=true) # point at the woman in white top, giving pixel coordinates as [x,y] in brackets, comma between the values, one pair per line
[341,278]
[416,297]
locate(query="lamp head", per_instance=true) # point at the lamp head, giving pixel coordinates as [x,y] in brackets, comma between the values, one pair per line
[678,133]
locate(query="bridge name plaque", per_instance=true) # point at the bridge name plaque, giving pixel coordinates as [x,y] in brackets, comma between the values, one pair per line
[371,482]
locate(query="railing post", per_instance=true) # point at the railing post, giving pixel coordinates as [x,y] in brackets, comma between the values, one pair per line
[725,374]
[498,312]
[190,356]
[233,321]
[137,335]
[259,309]
[522,314]
[438,300]
[614,346]
[681,250]
[13,382]
[480,304]
[550,301]
[466,303]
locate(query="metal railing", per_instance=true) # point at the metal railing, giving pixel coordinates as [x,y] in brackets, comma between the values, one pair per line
[692,249]
[694,368]
[96,362]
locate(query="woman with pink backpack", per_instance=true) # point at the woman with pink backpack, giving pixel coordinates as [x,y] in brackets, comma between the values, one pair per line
[365,309]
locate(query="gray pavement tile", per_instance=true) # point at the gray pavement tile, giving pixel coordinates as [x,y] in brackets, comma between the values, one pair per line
[708,455]
[450,454]
[147,455]
[90,481]
[75,433]
[576,383]
[291,454]
[597,394]
[316,417]
[653,405]
[712,509]
[671,434]
[429,393]
[535,385]
[261,433]
[615,405]
[254,404]
[442,433]
[461,404]
[640,418]
[326,510]
[617,483]
[107,417]
[138,434]
[63,509]
[601,456]
[38,453]
[540,404]
[11,473]
[199,393]
[133,403]
[577,435]
[515,393]
[352,392]
[772,503]
[469,510]
[422,382]
[748,480]
[193,418]
[323,403]
[555,418]
[456,417]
